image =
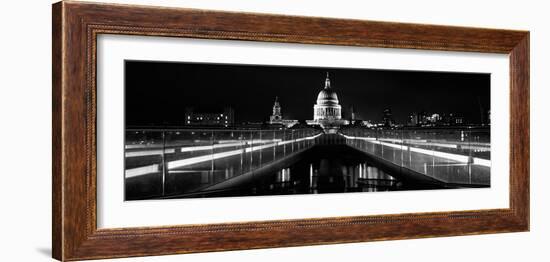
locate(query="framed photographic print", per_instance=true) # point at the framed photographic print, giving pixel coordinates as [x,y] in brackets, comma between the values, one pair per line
[182,130]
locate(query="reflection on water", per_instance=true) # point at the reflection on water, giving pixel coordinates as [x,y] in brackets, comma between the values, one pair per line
[339,169]
[327,175]
[321,169]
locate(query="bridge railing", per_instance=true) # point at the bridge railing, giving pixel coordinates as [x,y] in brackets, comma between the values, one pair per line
[460,156]
[168,162]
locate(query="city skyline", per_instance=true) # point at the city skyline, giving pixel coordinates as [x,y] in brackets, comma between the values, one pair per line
[250,90]
[185,135]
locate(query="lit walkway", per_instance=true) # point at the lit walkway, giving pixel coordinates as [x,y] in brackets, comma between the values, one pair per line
[211,153]
[154,171]
[428,158]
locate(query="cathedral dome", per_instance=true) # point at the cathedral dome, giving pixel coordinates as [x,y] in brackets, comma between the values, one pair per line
[327,112]
[327,97]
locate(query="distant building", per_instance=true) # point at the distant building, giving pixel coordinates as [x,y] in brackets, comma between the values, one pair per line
[367,123]
[388,118]
[277,116]
[423,118]
[224,118]
[414,120]
[453,119]
[352,115]
[327,112]
[486,117]
[458,120]
[434,118]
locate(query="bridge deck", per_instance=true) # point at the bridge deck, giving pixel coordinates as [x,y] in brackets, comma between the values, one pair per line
[153,172]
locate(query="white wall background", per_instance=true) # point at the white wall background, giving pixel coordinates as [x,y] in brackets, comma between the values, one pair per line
[25,147]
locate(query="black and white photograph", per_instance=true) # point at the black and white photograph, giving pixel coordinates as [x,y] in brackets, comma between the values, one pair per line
[196,130]
[269,131]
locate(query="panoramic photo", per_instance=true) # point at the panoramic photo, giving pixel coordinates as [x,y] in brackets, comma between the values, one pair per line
[195,130]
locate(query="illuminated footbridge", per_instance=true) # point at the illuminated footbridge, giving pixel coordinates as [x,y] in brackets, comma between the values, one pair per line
[454,157]
[206,163]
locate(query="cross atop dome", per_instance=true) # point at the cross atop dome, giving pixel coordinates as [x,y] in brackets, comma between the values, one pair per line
[327,82]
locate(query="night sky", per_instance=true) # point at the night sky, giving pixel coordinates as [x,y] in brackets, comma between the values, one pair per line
[157,93]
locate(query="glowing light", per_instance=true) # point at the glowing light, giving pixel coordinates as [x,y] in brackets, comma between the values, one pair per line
[223,144]
[199,159]
[139,171]
[149,152]
[310,175]
[482,162]
[455,157]
[450,156]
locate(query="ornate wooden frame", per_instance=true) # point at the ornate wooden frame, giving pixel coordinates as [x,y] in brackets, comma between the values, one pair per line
[76,26]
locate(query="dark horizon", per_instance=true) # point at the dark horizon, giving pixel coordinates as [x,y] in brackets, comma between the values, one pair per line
[159,92]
